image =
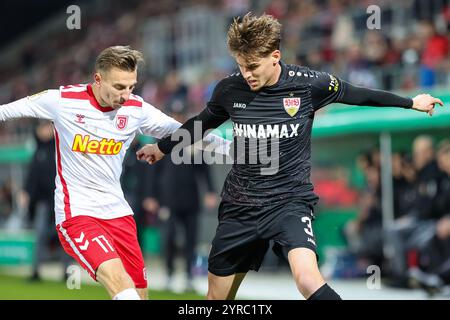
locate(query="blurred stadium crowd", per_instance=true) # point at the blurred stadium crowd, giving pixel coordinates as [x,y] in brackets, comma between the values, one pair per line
[409,52]
[417,243]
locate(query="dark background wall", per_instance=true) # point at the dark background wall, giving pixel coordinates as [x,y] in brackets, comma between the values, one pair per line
[20,16]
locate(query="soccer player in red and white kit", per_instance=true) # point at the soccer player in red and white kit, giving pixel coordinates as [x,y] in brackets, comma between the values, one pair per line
[94,125]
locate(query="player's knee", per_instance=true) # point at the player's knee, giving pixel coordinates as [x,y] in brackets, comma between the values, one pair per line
[124,279]
[305,284]
[308,280]
[217,294]
[117,277]
[120,280]
[221,288]
[212,295]
[114,275]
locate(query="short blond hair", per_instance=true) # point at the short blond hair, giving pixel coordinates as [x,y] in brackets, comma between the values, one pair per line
[254,37]
[121,57]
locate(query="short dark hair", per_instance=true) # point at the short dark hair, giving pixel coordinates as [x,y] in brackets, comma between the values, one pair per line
[121,57]
[254,37]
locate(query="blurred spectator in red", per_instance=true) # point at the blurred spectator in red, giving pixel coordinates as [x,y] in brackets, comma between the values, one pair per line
[332,185]
[435,52]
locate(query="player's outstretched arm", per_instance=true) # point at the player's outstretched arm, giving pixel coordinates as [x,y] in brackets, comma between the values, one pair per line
[193,130]
[355,95]
[42,105]
[152,154]
[159,125]
[214,143]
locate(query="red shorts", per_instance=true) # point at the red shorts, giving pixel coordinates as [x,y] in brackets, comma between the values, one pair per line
[92,241]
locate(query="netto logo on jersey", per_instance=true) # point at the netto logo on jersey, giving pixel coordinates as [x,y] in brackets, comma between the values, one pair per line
[85,144]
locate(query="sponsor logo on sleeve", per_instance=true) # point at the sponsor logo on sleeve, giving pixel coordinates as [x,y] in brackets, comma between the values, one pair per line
[334,84]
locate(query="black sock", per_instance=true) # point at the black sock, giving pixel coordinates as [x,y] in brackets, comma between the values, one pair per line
[324,293]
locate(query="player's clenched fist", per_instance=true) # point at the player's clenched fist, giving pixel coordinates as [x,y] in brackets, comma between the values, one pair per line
[150,153]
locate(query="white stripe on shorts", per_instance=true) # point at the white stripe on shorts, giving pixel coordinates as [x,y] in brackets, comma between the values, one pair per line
[75,249]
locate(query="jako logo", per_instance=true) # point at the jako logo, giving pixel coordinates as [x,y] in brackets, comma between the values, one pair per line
[103,147]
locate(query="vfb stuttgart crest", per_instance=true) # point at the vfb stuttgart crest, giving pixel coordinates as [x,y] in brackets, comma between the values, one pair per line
[291,105]
[121,122]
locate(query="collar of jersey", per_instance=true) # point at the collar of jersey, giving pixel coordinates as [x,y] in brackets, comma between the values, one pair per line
[94,101]
[282,75]
[284,70]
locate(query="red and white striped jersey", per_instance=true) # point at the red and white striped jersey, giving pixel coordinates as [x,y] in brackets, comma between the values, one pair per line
[91,142]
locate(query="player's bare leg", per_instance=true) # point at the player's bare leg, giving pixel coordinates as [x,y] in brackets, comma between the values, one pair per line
[307,276]
[224,288]
[113,276]
[305,270]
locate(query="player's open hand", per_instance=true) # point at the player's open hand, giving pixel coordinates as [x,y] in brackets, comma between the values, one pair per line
[426,103]
[150,153]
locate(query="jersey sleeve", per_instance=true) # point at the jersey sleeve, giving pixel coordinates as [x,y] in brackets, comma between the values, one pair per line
[156,123]
[43,105]
[215,105]
[214,143]
[325,89]
[211,117]
[360,96]
[203,121]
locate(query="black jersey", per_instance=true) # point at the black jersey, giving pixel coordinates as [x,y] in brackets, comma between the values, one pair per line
[272,130]
[272,133]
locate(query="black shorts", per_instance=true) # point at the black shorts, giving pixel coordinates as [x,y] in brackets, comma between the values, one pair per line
[243,235]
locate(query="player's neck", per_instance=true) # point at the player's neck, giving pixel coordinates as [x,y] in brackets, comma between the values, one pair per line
[276,76]
[97,96]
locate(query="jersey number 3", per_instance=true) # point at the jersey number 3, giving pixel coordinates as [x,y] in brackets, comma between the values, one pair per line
[308,228]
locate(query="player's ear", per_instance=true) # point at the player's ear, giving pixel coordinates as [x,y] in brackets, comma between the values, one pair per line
[97,78]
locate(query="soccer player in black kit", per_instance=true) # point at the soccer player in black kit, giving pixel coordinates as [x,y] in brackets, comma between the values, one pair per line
[269,100]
